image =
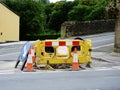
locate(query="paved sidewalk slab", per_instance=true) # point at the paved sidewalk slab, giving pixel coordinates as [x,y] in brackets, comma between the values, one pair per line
[109,57]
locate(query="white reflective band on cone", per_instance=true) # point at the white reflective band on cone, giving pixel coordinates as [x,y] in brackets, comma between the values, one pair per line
[75,57]
[29,60]
[32,52]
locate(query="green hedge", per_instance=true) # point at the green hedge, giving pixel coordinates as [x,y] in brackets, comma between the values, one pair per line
[41,37]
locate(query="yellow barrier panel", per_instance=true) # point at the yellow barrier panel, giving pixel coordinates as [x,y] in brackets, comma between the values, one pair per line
[61,51]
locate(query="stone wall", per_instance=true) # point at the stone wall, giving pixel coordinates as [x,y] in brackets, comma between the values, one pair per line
[71,28]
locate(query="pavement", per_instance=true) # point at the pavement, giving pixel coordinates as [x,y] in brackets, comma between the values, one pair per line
[107,57]
[99,59]
[14,43]
[103,56]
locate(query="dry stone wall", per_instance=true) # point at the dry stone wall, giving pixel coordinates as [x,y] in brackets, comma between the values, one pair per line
[71,28]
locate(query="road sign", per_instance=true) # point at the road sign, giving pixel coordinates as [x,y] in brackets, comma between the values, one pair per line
[24,51]
[23,54]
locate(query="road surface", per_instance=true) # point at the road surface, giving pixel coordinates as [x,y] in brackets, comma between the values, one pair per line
[100,42]
[93,79]
[67,80]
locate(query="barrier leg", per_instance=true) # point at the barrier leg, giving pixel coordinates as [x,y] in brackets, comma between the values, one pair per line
[48,67]
[17,63]
[23,65]
[88,65]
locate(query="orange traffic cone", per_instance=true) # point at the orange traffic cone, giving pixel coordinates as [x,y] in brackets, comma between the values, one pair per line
[33,56]
[33,53]
[29,65]
[75,64]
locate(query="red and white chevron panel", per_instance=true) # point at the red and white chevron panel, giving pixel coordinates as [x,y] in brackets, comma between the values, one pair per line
[62,43]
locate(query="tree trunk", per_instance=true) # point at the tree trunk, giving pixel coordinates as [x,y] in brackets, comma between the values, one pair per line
[117,31]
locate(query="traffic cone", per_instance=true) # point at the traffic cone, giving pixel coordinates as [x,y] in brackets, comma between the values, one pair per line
[29,65]
[33,53]
[33,56]
[75,64]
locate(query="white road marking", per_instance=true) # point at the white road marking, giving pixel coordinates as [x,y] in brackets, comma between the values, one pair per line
[6,71]
[13,43]
[60,71]
[116,67]
[10,54]
[103,46]
[101,40]
[103,68]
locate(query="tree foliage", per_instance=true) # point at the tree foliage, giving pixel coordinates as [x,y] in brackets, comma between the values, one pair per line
[59,14]
[79,13]
[48,11]
[88,10]
[39,16]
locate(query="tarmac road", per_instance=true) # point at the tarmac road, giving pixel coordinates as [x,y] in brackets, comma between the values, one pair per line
[67,80]
[100,42]
[102,45]
[103,75]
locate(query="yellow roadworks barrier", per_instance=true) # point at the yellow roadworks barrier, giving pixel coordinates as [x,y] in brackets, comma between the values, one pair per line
[62,51]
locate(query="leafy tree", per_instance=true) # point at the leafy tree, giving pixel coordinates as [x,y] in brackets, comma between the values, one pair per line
[89,10]
[88,2]
[98,11]
[96,14]
[78,13]
[59,14]
[82,10]
[45,1]
[48,11]
[113,11]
